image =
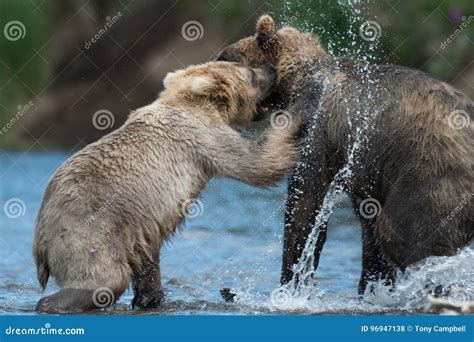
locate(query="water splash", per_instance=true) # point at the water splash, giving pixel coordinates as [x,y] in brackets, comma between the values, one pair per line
[362,109]
[454,275]
[451,277]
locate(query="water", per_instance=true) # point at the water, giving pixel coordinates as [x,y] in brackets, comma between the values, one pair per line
[303,284]
[234,243]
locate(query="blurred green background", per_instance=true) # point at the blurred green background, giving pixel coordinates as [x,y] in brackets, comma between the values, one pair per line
[72,59]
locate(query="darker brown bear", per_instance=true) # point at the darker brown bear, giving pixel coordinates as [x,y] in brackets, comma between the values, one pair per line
[407,138]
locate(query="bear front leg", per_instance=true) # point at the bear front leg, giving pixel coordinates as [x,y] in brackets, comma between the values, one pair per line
[147,286]
[308,183]
[306,190]
[259,164]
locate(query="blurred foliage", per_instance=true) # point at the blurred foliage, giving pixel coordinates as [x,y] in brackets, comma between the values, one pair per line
[21,67]
[336,25]
[414,33]
[420,29]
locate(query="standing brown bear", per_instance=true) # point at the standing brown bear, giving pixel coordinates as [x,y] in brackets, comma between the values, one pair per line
[402,141]
[109,208]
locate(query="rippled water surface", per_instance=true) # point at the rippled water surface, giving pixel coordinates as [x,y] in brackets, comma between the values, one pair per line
[235,243]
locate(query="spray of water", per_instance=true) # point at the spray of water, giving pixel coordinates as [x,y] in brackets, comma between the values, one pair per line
[304,284]
[455,274]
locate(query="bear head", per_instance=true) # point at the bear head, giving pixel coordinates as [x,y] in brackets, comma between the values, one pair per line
[231,89]
[288,49]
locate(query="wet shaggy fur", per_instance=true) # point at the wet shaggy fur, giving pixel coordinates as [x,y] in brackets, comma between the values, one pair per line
[109,208]
[415,156]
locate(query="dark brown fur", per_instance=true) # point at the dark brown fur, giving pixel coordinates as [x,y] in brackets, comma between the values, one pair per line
[411,160]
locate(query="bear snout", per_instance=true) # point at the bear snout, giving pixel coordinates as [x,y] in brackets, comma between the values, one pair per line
[224,56]
[267,76]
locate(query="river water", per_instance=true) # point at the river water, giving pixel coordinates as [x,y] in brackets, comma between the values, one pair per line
[233,240]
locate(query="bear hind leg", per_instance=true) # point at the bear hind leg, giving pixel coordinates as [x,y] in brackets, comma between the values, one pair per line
[88,282]
[147,286]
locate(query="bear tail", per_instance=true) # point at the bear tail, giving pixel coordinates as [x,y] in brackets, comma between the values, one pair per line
[42,272]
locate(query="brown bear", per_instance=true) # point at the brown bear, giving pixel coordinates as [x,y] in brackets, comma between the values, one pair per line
[109,208]
[400,142]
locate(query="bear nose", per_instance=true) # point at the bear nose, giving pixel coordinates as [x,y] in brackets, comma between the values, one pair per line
[269,68]
[223,56]
[269,71]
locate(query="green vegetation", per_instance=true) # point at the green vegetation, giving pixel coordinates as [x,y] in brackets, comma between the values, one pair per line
[413,33]
[433,35]
[22,68]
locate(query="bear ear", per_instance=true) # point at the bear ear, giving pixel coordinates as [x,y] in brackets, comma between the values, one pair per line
[201,85]
[170,78]
[267,35]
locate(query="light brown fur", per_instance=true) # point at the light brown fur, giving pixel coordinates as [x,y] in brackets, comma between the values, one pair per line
[109,208]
